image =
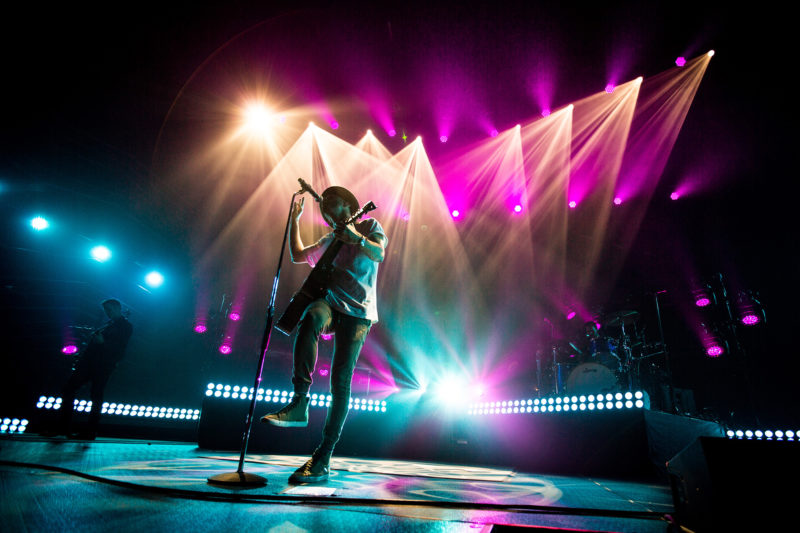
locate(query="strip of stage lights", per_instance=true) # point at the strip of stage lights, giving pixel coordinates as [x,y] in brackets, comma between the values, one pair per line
[13,425]
[124,409]
[236,392]
[561,404]
[757,434]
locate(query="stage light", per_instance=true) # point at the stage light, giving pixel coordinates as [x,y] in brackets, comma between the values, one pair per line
[450,390]
[750,320]
[573,204]
[518,208]
[545,112]
[681,61]
[334,125]
[101,254]
[258,119]
[443,138]
[234,316]
[69,349]
[749,308]
[225,349]
[617,200]
[392,132]
[571,314]
[39,223]
[610,88]
[674,196]
[711,53]
[714,350]
[493,133]
[702,297]
[455,213]
[200,328]
[154,279]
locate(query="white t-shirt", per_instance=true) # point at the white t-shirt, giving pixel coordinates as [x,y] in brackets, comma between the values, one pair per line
[353,283]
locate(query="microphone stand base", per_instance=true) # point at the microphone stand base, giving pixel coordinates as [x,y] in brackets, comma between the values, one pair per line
[240,479]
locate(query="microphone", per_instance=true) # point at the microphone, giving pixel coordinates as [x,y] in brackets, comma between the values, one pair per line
[305,187]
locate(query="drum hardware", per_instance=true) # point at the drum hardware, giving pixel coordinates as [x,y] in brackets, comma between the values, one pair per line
[563,358]
[621,318]
[591,378]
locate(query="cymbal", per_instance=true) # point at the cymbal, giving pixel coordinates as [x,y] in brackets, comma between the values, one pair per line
[621,317]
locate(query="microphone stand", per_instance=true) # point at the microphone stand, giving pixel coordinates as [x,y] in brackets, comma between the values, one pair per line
[670,385]
[240,477]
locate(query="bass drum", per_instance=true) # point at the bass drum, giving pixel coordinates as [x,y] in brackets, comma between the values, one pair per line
[591,378]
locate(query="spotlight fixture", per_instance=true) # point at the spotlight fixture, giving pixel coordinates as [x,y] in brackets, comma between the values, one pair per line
[714,349]
[749,308]
[681,61]
[101,254]
[703,297]
[154,279]
[573,204]
[713,344]
[39,223]
[674,196]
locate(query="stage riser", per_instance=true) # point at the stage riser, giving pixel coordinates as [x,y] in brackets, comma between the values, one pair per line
[613,443]
[722,484]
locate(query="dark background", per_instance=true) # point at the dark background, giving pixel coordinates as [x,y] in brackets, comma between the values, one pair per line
[87,90]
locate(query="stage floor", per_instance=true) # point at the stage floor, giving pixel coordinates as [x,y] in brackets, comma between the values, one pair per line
[124,485]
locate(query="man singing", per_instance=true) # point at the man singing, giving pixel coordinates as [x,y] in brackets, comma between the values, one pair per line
[349,308]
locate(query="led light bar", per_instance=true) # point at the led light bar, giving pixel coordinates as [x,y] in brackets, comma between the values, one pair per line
[123,409]
[758,434]
[13,425]
[218,390]
[561,404]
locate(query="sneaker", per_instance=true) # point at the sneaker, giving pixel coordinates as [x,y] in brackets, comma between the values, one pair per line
[315,470]
[294,415]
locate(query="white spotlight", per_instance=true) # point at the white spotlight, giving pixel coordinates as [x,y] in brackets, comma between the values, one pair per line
[39,223]
[154,279]
[101,254]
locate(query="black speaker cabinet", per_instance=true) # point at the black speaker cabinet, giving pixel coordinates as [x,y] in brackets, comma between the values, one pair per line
[719,484]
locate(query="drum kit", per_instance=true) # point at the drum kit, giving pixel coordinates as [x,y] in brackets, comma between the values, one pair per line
[613,357]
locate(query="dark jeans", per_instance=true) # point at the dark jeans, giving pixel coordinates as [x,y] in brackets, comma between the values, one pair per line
[350,334]
[86,371]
